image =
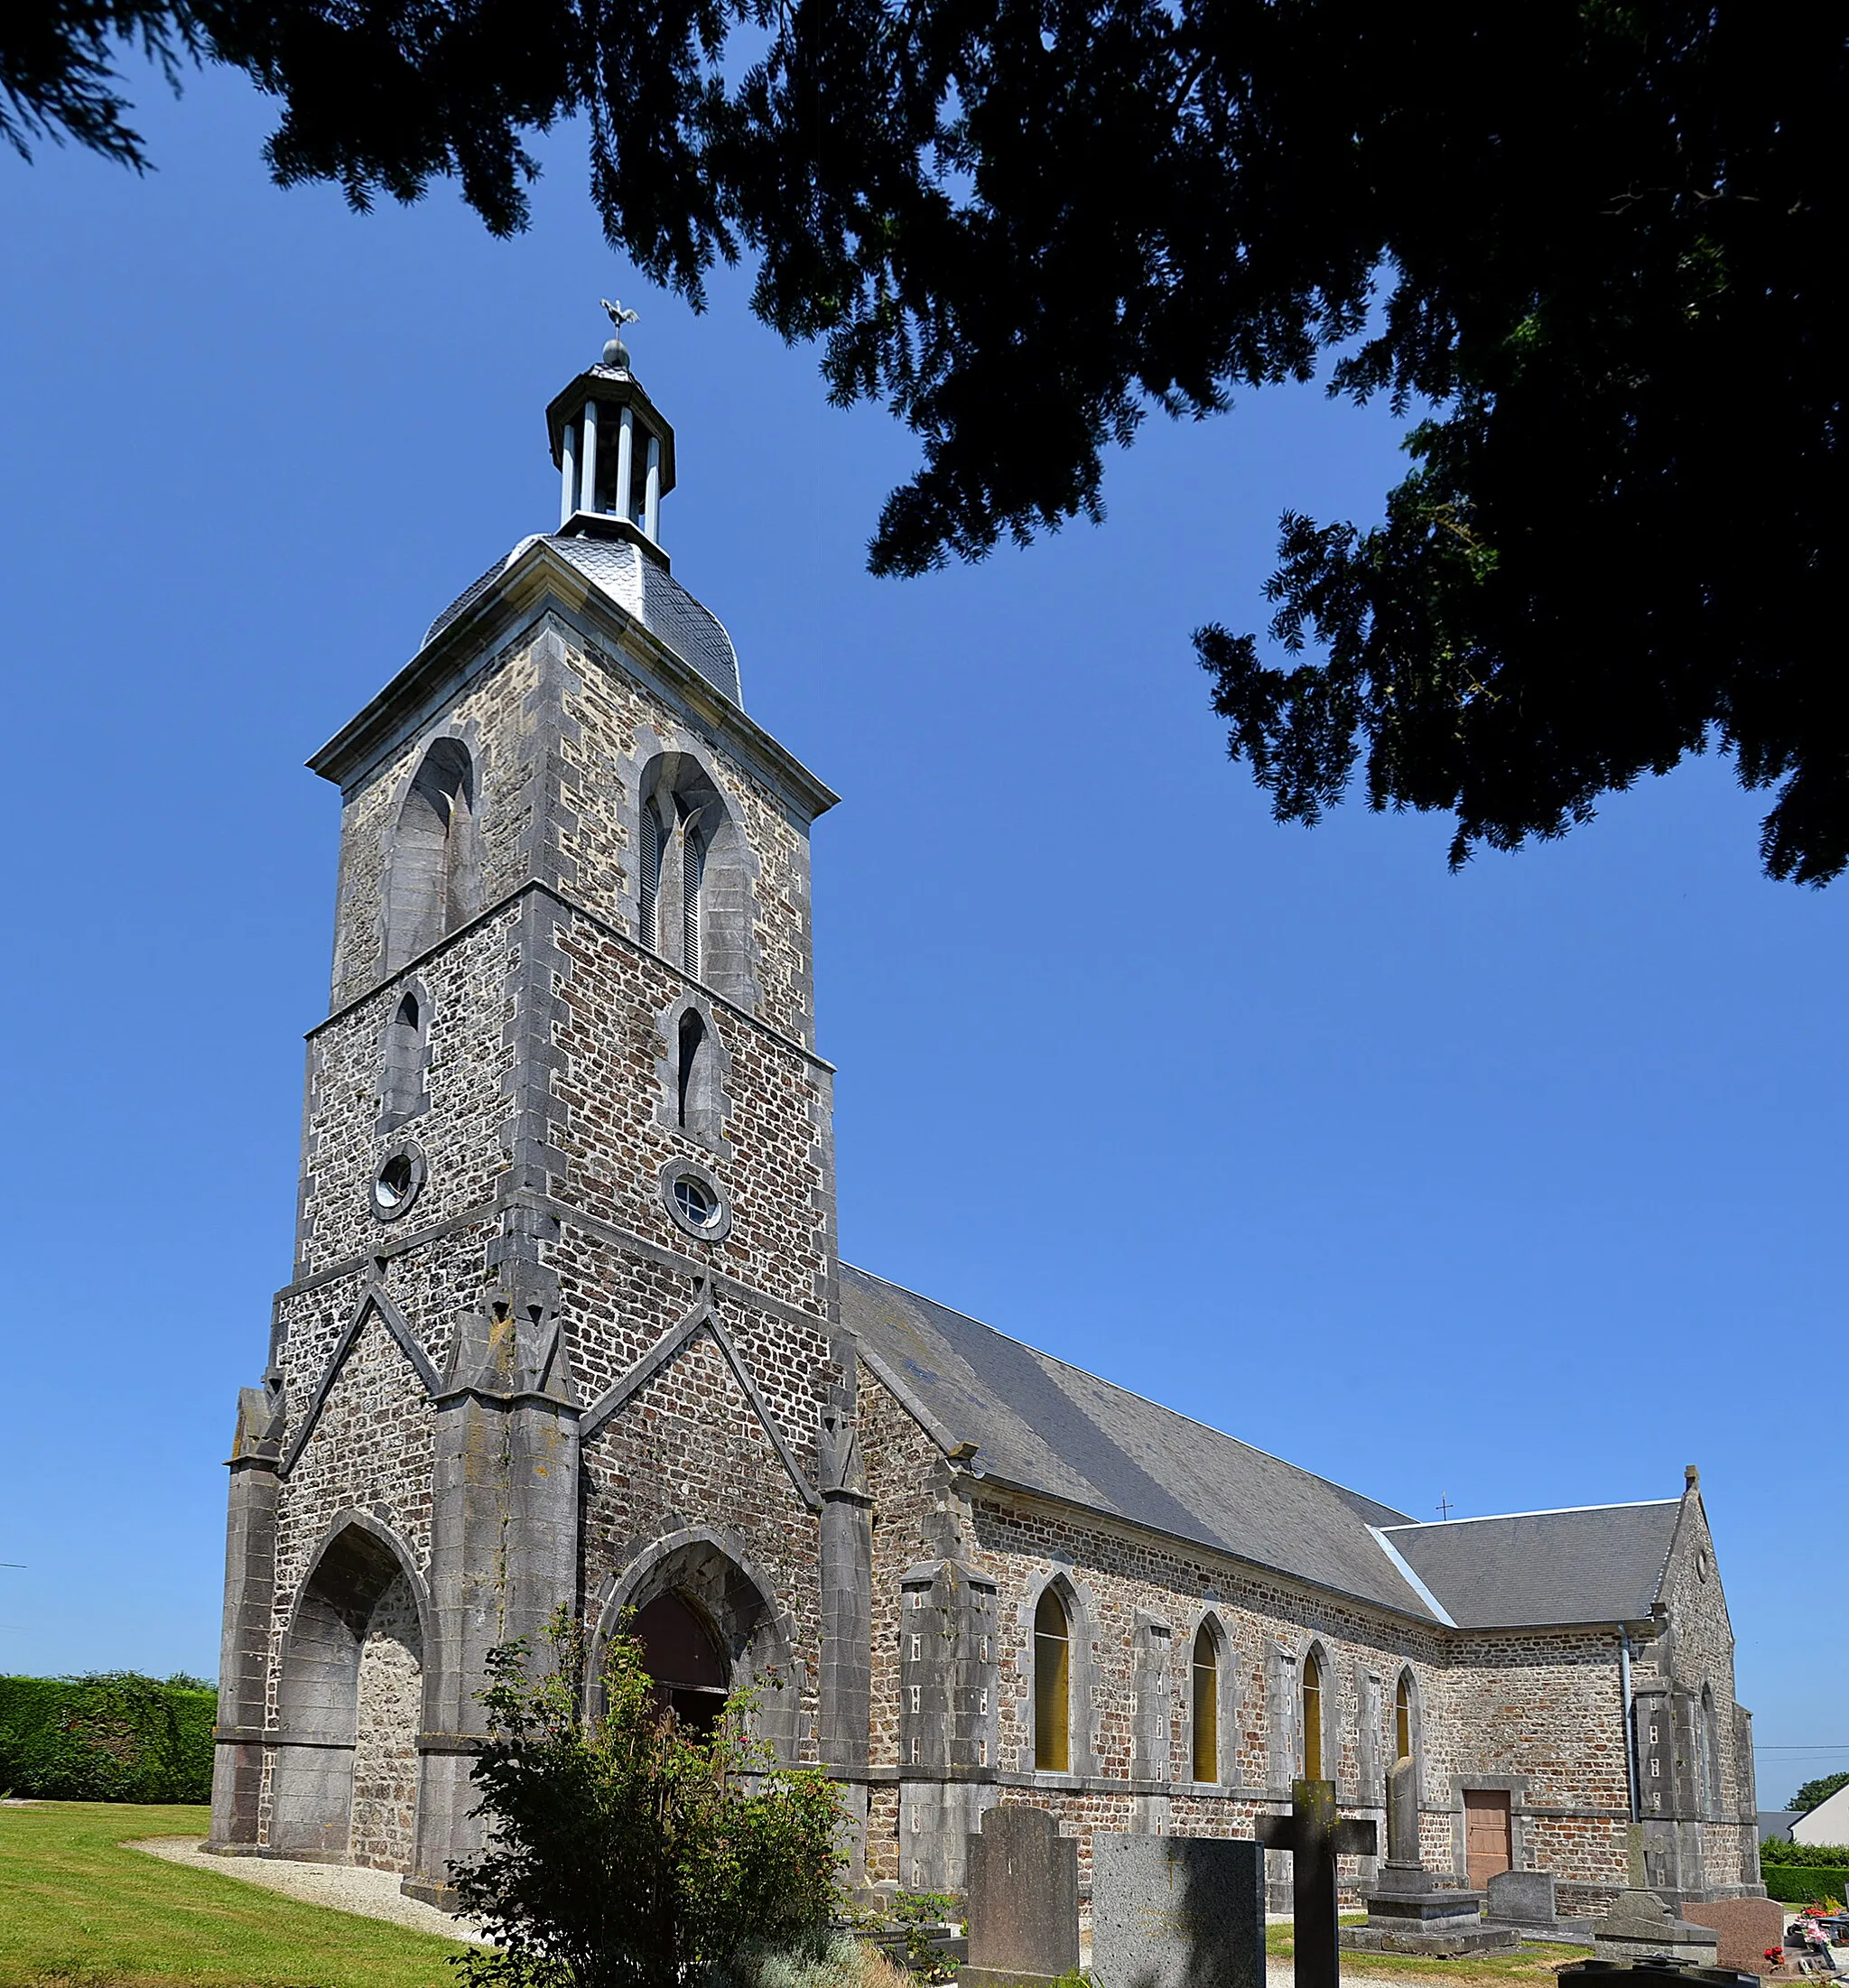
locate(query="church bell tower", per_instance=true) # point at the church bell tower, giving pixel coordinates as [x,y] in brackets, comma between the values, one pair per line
[561,1328]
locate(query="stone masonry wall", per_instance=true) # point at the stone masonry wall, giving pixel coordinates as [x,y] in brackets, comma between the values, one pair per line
[907,1478]
[1540,1710]
[383,1833]
[468,1065]
[610,1048]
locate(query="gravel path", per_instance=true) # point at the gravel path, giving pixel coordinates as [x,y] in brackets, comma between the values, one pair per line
[373,1894]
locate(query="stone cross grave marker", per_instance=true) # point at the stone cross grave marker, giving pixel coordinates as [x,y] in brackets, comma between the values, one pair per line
[1176,1912]
[1022,1877]
[1315,1839]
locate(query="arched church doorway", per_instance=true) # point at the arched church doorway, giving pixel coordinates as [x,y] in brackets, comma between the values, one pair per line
[710,1623]
[678,1651]
[351,1705]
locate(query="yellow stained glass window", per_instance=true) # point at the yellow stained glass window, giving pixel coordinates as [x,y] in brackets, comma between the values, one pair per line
[1402,1719]
[1312,1718]
[1052,1686]
[1206,1708]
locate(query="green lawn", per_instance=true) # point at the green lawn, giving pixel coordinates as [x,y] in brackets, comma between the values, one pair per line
[76,1909]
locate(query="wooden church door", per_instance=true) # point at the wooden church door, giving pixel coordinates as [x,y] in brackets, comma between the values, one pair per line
[1486,1838]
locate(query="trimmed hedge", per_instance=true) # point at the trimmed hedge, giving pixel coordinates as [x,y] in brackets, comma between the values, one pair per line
[1804,1883]
[116,1737]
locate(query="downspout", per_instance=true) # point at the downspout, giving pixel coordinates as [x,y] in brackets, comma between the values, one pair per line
[1624,1692]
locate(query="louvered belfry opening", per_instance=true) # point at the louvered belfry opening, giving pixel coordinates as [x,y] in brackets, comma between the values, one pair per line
[648,883]
[1206,1669]
[1052,1684]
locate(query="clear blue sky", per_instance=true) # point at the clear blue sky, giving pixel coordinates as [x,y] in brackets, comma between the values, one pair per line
[1522,1188]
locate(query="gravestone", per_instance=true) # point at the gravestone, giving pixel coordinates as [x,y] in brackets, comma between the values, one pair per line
[1640,1924]
[1022,1879]
[1176,1912]
[1747,1927]
[1523,1898]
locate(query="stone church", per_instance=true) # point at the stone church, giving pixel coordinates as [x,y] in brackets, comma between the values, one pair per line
[567,1323]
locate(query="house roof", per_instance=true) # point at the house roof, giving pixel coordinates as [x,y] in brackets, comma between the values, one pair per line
[1596,1564]
[1046,1425]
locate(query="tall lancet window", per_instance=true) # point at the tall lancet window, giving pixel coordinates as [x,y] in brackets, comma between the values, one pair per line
[1053,1685]
[693,876]
[1402,1718]
[1312,1718]
[435,870]
[1206,1706]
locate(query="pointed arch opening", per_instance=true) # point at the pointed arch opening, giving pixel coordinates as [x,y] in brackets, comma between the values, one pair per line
[1206,1671]
[1315,1768]
[1053,1684]
[1403,1718]
[1709,1735]
[350,1707]
[721,1632]
[694,883]
[435,882]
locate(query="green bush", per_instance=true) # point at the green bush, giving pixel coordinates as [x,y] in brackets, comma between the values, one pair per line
[113,1737]
[626,1850]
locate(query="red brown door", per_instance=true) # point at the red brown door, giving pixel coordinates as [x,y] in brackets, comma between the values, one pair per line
[1485,1834]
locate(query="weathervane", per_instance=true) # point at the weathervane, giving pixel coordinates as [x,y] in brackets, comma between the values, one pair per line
[615,352]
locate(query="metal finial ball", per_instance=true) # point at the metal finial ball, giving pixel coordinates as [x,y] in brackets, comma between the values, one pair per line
[617,354]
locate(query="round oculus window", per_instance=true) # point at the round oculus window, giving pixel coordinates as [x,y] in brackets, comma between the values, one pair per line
[398,1181]
[696,1201]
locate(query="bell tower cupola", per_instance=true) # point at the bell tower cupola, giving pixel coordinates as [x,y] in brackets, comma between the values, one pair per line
[614,451]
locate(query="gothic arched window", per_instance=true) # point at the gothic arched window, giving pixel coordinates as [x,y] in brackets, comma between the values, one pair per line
[1313,1717]
[1402,1718]
[693,877]
[435,877]
[1206,1674]
[1053,1685]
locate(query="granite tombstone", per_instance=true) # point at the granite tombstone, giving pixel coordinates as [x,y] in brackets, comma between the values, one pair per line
[1176,1912]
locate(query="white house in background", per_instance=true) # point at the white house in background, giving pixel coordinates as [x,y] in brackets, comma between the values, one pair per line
[1828,1822]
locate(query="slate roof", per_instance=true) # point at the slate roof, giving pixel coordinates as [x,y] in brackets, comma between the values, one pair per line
[1054,1428]
[1046,1425]
[1600,1564]
[643,591]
